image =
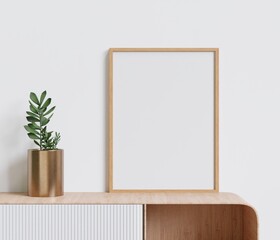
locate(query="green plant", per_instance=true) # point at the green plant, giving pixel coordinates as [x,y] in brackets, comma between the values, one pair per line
[38,117]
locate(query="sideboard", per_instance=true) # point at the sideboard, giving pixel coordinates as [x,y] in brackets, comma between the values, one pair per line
[127,216]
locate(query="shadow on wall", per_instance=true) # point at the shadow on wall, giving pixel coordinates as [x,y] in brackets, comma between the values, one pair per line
[13,148]
[17,177]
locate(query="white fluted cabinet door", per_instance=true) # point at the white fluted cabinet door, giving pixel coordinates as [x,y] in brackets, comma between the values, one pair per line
[71,222]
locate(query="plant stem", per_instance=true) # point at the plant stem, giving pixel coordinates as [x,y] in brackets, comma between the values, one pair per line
[40,118]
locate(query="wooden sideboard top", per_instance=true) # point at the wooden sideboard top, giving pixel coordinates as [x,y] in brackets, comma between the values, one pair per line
[124,198]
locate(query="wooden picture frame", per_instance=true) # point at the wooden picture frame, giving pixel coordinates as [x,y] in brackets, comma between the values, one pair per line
[120,56]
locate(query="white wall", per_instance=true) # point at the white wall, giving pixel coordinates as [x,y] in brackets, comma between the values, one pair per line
[62,46]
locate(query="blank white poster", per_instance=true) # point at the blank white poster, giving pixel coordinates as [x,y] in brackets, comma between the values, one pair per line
[163,120]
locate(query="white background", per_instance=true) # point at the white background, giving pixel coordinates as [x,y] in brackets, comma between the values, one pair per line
[163,120]
[61,46]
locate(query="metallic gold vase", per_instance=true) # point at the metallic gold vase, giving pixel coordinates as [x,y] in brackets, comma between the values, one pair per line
[45,173]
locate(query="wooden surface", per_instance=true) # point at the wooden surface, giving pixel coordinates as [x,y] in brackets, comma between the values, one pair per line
[125,198]
[110,117]
[194,222]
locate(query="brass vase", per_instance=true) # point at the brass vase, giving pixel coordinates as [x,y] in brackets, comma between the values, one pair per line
[45,173]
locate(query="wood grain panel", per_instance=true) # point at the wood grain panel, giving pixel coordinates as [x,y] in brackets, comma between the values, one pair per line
[250,223]
[194,222]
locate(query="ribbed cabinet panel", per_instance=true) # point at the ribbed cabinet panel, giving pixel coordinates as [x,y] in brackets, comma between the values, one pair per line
[71,222]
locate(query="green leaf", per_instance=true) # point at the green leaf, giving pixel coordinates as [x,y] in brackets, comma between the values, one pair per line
[37,143]
[49,134]
[50,117]
[44,121]
[34,98]
[34,126]
[42,98]
[32,119]
[47,103]
[32,114]
[33,108]
[29,129]
[33,136]
[56,140]
[48,112]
